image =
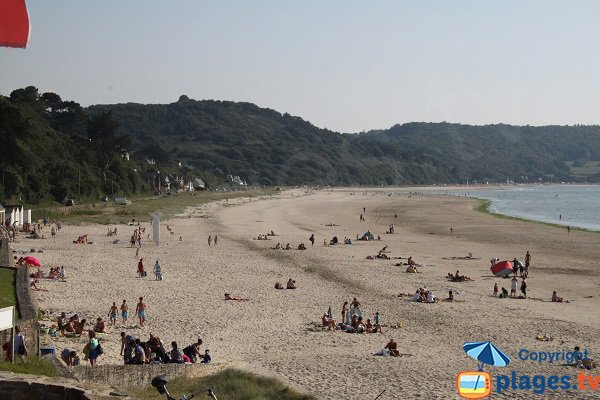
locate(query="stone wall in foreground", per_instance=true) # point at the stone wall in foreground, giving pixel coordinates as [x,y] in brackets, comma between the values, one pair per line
[126,376]
[26,387]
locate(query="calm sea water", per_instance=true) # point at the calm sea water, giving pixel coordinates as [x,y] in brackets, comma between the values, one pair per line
[572,205]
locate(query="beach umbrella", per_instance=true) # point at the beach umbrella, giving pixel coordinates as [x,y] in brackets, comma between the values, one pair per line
[486,353]
[32,261]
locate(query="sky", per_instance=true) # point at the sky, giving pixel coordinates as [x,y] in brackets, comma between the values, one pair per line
[345,65]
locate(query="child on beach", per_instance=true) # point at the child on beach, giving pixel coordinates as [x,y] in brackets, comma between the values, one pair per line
[495,289]
[124,311]
[140,310]
[513,287]
[112,314]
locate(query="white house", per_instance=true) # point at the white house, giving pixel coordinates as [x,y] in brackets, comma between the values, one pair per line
[237,180]
[2,214]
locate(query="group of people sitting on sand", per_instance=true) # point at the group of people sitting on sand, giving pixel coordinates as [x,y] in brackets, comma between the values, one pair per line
[291,284]
[55,273]
[352,319]
[71,326]
[265,236]
[288,246]
[279,246]
[391,229]
[426,296]
[458,277]
[111,232]
[152,351]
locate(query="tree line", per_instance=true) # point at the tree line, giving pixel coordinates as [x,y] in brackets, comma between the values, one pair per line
[53,149]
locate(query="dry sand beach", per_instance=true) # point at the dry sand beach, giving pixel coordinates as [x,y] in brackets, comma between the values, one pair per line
[277,332]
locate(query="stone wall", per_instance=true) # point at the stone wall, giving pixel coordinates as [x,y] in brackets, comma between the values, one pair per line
[23,389]
[28,387]
[28,322]
[126,376]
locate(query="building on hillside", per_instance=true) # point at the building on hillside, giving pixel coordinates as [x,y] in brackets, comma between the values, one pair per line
[236,180]
[198,184]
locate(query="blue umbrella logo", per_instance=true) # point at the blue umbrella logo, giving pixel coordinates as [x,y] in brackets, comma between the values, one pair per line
[486,353]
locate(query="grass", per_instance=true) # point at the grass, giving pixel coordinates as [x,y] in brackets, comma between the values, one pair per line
[140,209]
[8,293]
[590,168]
[229,384]
[30,365]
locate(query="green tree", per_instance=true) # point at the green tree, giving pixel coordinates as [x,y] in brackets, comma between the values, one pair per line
[106,142]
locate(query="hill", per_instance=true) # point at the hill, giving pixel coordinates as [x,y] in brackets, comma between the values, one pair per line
[52,149]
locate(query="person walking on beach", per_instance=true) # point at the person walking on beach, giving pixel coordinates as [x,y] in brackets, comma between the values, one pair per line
[209,240]
[112,314]
[527,260]
[361,218]
[141,272]
[124,311]
[344,311]
[140,310]
[513,287]
[157,272]
[312,239]
[524,287]
[395,215]
[216,238]
[53,233]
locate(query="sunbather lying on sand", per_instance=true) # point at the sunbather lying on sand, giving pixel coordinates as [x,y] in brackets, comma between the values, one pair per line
[81,240]
[229,297]
[393,348]
[458,278]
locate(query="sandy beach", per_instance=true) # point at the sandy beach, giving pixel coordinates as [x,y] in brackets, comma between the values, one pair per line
[278,333]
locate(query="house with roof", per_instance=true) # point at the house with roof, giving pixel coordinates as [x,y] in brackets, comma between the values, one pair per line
[199,184]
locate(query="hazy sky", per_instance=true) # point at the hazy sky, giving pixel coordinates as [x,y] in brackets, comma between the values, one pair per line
[344,65]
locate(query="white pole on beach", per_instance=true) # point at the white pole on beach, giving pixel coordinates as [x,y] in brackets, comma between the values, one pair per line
[156,228]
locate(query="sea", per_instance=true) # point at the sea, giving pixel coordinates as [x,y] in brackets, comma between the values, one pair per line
[568,205]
